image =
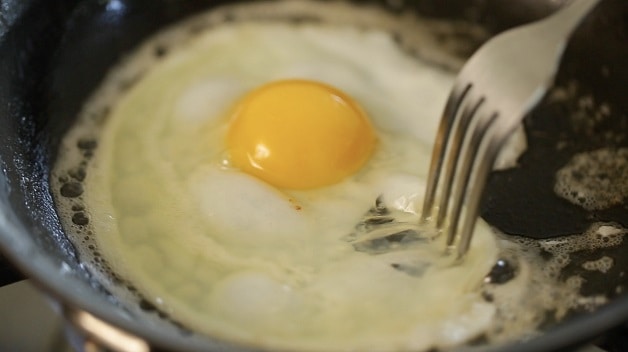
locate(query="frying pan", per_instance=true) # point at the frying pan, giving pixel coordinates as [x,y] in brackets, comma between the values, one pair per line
[54,53]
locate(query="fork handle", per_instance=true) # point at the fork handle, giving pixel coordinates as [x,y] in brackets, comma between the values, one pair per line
[569,17]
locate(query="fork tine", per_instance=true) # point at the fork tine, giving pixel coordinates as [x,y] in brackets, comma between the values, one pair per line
[468,173]
[483,165]
[482,162]
[440,146]
[466,112]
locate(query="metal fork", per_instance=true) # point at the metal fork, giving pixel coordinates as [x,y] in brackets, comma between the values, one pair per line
[496,88]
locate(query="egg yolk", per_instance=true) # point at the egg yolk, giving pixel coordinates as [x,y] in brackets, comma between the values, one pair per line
[299,134]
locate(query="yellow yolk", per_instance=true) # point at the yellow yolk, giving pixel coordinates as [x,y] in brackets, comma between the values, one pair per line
[299,134]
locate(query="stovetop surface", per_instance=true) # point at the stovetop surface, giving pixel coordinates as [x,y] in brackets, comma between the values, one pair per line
[28,321]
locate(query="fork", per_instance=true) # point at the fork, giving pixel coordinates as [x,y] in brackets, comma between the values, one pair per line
[496,88]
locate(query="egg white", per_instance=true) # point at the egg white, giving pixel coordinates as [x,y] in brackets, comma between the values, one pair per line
[229,255]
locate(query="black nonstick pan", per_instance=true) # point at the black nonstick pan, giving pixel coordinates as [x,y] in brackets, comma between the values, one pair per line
[53,54]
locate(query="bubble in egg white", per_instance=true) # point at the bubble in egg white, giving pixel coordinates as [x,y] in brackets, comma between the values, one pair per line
[250,298]
[236,203]
[206,99]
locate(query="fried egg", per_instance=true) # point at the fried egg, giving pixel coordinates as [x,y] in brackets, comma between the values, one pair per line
[234,182]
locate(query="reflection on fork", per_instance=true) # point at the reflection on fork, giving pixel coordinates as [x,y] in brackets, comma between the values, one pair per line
[496,88]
